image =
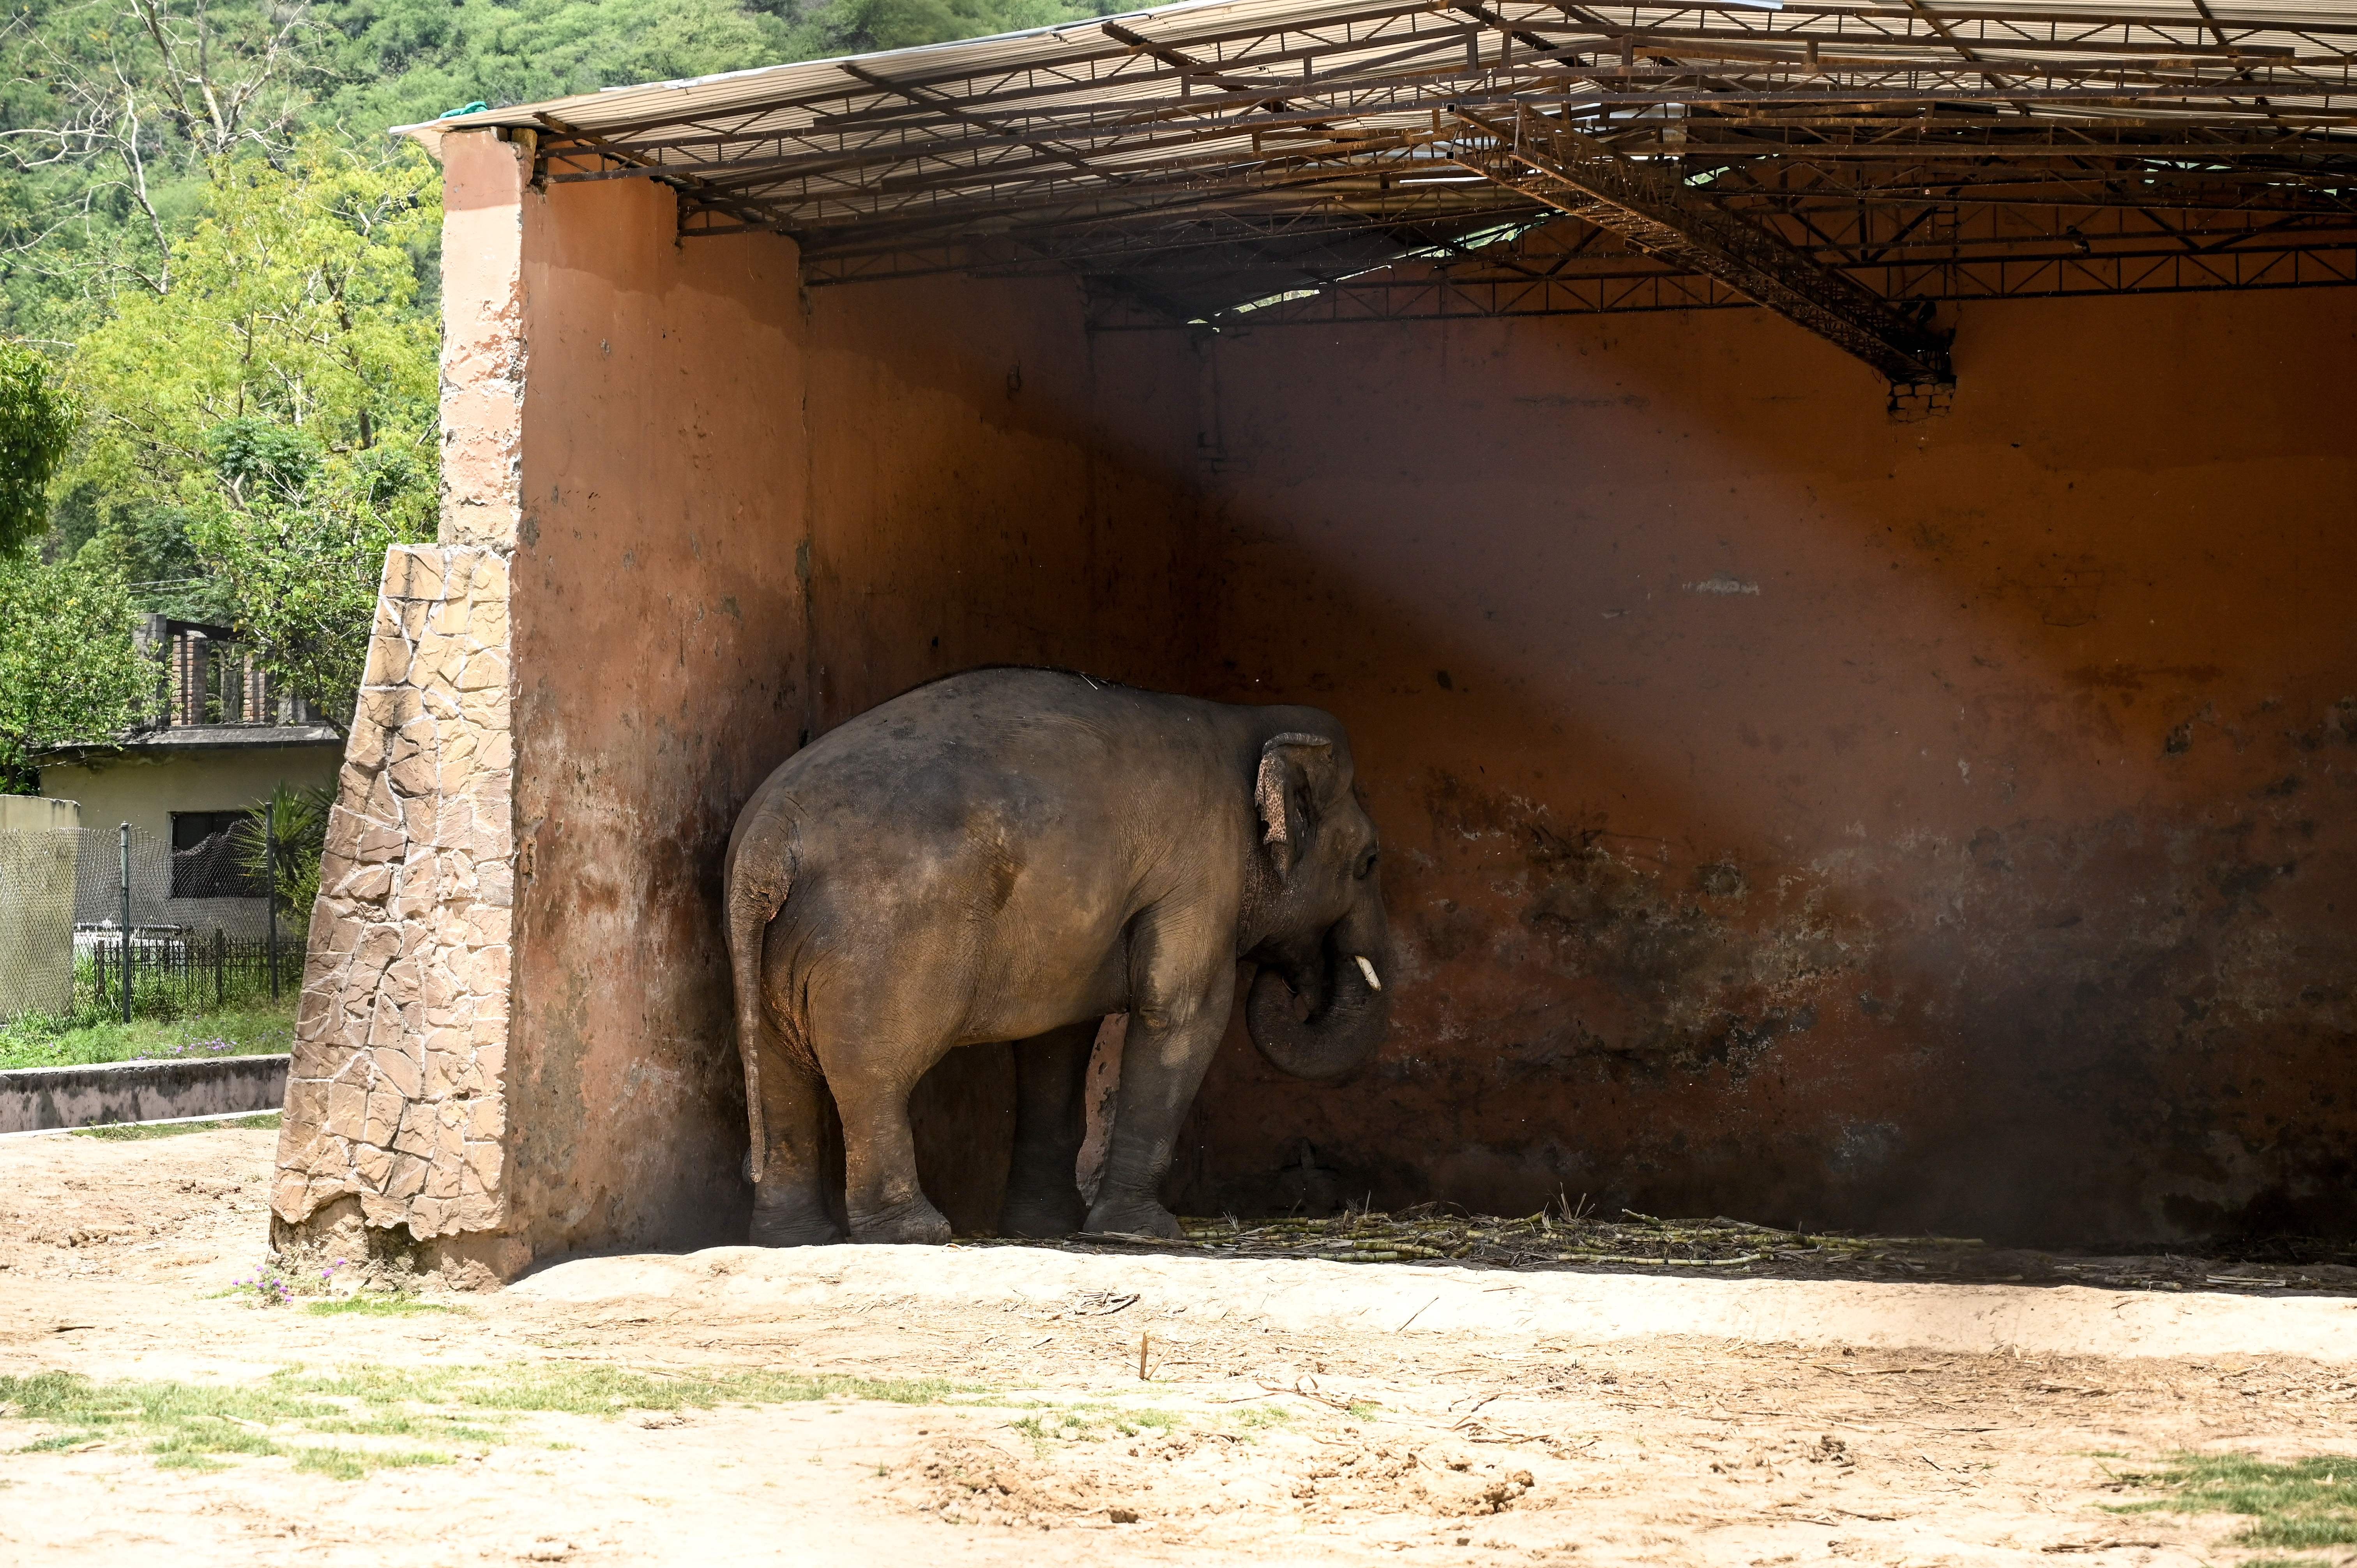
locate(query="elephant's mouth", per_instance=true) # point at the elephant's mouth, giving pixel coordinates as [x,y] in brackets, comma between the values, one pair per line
[1348,1013]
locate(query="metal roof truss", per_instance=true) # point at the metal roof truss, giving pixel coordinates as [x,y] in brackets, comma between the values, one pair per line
[1276,161]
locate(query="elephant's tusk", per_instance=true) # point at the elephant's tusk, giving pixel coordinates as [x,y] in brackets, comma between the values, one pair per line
[1368,969]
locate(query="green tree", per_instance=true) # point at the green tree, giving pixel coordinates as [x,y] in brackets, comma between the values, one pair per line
[200,217]
[295,300]
[114,111]
[302,573]
[277,402]
[69,674]
[37,427]
[856,26]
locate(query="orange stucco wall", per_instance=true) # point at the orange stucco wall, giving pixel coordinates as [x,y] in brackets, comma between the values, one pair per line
[992,485]
[658,629]
[1802,816]
[1790,813]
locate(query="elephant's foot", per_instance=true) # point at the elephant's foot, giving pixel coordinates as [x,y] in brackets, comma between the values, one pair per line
[793,1226]
[1134,1217]
[915,1222]
[1042,1214]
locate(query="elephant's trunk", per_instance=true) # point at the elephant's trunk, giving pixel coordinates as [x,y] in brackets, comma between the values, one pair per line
[1349,997]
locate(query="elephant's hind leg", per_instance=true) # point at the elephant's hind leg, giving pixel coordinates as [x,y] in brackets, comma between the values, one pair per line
[879,1153]
[790,1200]
[1043,1194]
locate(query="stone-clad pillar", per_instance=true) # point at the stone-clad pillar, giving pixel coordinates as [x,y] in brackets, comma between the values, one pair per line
[396,1108]
[395,1097]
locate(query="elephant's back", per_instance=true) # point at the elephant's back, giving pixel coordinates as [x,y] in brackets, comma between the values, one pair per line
[1005,760]
[1022,732]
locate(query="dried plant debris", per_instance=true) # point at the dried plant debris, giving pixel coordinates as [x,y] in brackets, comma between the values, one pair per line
[1722,1248]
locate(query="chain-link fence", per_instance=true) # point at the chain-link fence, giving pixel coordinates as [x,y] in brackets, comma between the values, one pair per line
[122,923]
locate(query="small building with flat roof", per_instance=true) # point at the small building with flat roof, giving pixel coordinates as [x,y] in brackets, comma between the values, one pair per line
[217,740]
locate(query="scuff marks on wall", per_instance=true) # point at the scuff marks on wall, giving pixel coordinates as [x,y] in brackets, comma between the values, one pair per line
[1680,965]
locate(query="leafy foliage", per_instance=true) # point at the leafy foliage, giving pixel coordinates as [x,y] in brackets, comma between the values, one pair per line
[36,426]
[277,405]
[294,306]
[68,671]
[856,26]
[294,819]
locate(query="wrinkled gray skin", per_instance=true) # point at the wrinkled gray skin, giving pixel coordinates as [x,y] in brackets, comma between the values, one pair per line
[1012,854]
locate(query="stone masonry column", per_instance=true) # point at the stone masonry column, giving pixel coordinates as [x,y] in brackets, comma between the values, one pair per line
[396,1107]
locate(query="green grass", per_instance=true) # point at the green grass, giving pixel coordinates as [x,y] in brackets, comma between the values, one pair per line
[36,1039]
[389,1417]
[137,1131]
[351,1464]
[2306,1503]
[372,1304]
[1100,1423]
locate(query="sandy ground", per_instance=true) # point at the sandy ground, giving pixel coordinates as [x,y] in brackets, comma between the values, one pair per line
[1292,1411]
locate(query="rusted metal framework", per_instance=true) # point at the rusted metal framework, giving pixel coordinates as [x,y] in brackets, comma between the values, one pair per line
[1285,161]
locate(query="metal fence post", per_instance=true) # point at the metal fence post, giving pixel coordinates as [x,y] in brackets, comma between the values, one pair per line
[126,922]
[221,967]
[270,861]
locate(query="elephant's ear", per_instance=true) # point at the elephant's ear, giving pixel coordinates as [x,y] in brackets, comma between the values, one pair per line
[1293,766]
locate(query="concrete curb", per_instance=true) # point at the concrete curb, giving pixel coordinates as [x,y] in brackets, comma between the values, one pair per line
[35,1100]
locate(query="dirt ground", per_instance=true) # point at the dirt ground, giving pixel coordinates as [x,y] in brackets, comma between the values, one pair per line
[1290,1412]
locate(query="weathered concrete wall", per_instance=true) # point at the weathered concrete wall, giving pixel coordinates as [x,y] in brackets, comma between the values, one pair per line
[1800,816]
[39,841]
[991,485]
[515,1036]
[34,1098]
[660,636]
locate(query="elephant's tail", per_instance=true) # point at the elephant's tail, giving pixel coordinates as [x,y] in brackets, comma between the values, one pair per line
[762,863]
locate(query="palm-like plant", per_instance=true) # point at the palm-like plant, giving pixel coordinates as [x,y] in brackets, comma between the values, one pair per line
[295,818]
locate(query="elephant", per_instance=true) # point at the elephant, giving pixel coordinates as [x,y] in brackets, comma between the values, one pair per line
[1013,854]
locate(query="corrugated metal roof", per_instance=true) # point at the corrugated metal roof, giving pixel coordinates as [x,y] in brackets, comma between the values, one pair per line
[1208,156]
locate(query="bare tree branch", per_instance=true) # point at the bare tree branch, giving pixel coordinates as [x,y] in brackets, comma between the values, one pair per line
[176,90]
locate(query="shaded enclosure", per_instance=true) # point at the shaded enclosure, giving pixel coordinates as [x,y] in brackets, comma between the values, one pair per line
[1804,801]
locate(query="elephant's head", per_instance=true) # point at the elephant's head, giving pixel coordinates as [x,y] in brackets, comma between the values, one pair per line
[1320,1005]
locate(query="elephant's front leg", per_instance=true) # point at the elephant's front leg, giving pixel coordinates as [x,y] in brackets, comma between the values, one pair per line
[1178,1013]
[1043,1194]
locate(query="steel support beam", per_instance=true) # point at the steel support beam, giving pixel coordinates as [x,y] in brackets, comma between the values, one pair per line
[1652,208]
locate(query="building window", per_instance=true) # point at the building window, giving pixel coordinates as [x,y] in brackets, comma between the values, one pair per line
[209,858]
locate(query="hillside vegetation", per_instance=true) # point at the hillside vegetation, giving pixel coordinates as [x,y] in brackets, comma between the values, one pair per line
[218,300]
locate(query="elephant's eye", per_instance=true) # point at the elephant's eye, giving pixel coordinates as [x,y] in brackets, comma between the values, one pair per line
[1366,867]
